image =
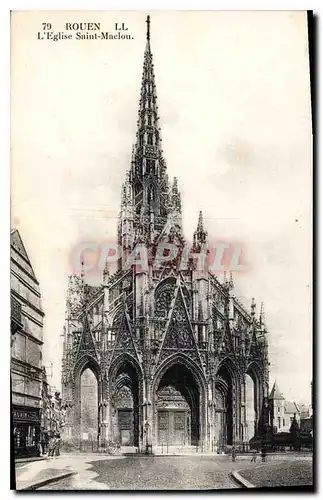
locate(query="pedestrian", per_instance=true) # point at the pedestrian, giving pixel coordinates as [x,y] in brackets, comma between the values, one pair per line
[40,448]
[51,446]
[263,454]
[254,456]
[233,454]
[57,445]
[43,443]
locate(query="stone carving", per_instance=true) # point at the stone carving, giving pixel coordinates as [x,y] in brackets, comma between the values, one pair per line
[163,300]
[124,398]
[169,396]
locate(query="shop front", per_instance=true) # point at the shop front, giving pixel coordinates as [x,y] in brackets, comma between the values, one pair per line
[26,431]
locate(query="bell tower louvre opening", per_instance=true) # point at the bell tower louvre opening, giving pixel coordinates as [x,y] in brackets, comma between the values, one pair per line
[160,337]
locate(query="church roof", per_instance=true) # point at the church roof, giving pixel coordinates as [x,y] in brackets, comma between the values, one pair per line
[291,407]
[275,392]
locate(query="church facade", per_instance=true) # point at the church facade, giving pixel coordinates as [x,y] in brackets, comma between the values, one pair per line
[168,348]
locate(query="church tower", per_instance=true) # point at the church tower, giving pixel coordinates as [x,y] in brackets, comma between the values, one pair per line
[169,345]
[146,196]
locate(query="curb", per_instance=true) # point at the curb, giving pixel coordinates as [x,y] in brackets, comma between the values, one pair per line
[241,480]
[40,484]
[29,460]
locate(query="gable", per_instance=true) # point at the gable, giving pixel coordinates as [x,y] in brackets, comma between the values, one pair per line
[125,341]
[179,333]
[86,343]
[19,253]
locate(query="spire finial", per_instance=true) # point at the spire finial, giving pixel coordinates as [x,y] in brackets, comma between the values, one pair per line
[148,27]
[253,307]
[200,221]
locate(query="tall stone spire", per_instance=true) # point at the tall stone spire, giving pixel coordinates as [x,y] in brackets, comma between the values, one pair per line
[148,176]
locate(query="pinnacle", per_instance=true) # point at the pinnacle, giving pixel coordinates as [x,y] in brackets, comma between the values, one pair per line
[262,314]
[106,271]
[200,235]
[200,227]
[200,230]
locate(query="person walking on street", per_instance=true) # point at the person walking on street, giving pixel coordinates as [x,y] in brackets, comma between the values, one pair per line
[51,446]
[254,456]
[57,445]
[233,454]
[40,448]
[43,444]
[263,454]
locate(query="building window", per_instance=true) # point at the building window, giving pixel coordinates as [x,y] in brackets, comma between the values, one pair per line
[283,422]
[278,422]
[16,433]
[278,409]
[31,436]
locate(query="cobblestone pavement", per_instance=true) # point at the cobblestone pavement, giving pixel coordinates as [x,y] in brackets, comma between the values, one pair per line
[152,473]
[29,474]
[299,473]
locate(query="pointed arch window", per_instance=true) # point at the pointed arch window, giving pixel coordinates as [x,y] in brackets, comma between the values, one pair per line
[151,197]
[200,333]
[150,166]
[150,139]
[149,120]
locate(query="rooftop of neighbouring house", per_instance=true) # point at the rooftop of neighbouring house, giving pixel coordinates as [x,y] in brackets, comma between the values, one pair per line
[275,392]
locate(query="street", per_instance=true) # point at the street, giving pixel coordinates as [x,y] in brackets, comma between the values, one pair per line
[84,471]
[151,473]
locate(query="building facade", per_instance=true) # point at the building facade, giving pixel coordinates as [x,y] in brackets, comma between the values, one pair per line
[169,346]
[51,411]
[282,412]
[26,350]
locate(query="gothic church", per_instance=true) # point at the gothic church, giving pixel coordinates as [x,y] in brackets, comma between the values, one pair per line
[168,351]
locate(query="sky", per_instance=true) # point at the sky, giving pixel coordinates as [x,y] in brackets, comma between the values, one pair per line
[234,104]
